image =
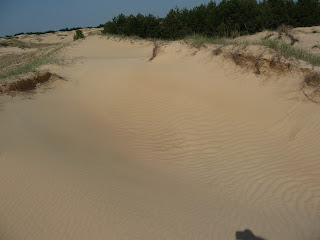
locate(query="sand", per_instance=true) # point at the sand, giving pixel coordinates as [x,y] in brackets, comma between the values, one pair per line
[183,147]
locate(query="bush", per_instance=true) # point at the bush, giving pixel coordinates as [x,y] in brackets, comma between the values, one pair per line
[78,35]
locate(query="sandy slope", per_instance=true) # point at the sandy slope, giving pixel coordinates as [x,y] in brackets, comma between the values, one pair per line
[183,147]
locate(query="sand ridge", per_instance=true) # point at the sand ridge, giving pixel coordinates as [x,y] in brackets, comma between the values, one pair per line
[182,147]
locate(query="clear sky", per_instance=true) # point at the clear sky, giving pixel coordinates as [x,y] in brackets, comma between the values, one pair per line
[43,15]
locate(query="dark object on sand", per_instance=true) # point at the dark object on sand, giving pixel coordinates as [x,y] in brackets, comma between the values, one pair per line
[247,235]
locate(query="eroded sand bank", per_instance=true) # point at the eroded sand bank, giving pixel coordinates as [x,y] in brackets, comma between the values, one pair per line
[176,148]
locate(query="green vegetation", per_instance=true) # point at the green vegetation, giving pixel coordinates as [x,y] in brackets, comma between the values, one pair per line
[216,23]
[229,18]
[4,44]
[282,48]
[12,42]
[78,35]
[44,59]
[50,31]
[288,51]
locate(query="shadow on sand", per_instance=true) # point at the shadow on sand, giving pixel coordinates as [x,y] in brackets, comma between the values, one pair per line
[247,235]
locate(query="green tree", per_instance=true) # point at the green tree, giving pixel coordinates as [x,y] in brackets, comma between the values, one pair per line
[172,27]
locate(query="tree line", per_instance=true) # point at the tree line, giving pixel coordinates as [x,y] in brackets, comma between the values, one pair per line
[51,31]
[227,18]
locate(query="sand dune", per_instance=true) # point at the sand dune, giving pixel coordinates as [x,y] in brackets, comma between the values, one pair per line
[183,147]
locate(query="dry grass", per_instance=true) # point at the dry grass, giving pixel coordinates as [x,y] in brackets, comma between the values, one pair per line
[284,29]
[238,58]
[217,51]
[288,51]
[312,79]
[310,87]
[12,64]
[269,35]
[21,44]
[30,83]
[155,51]
[282,48]
[293,39]
[257,63]
[31,63]
[11,61]
[247,60]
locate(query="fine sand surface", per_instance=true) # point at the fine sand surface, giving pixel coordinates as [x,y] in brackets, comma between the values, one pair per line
[182,147]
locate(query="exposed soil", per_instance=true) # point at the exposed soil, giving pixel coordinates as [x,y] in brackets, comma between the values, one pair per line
[28,84]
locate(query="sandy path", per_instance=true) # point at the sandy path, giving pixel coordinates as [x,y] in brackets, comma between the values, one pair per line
[173,149]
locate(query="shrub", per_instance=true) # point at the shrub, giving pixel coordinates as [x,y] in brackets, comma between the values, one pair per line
[312,79]
[4,44]
[284,29]
[78,35]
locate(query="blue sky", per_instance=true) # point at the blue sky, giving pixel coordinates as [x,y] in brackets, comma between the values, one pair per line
[43,15]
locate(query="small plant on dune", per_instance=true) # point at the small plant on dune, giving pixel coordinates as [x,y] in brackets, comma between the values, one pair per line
[78,35]
[155,51]
[314,31]
[312,79]
[284,29]
[310,87]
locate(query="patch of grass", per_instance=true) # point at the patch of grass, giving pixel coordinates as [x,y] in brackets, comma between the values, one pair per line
[45,59]
[289,51]
[314,31]
[15,43]
[4,44]
[283,48]
[22,44]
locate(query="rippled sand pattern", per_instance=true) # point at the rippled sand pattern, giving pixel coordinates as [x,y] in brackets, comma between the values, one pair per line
[173,149]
